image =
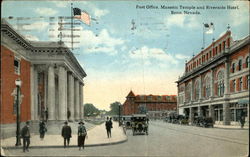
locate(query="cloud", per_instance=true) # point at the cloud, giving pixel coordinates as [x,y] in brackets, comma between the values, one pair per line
[40,26]
[31,37]
[181,57]
[46,11]
[103,43]
[60,4]
[99,12]
[152,53]
[183,21]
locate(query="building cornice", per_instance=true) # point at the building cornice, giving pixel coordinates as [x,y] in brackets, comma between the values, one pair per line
[34,49]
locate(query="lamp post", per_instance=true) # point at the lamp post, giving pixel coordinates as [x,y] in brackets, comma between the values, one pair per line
[119,114]
[18,83]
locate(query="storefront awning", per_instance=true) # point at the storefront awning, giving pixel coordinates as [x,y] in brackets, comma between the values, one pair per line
[243,101]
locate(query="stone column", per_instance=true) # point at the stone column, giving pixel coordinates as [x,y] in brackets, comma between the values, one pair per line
[62,114]
[211,112]
[81,101]
[35,94]
[71,96]
[191,115]
[51,93]
[45,90]
[76,99]
[32,90]
[226,114]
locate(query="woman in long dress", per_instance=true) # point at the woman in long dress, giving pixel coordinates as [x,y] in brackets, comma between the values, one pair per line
[42,129]
[82,133]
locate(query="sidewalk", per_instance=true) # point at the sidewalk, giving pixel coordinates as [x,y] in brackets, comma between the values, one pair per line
[229,126]
[97,136]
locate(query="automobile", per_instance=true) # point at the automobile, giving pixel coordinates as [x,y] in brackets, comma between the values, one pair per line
[127,121]
[208,122]
[139,124]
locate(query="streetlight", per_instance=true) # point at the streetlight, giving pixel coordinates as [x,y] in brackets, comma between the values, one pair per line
[18,83]
[119,105]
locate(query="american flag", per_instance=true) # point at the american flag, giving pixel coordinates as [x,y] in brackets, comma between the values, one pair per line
[82,15]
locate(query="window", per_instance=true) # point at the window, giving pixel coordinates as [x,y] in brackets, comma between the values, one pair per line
[168,98]
[17,66]
[220,48]
[149,98]
[197,90]
[234,85]
[224,45]
[220,84]
[159,97]
[210,54]
[247,62]
[233,67]
[188,92]
[240,84]
[207,87]
[240,65]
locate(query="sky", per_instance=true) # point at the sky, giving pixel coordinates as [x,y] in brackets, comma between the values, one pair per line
[131,45]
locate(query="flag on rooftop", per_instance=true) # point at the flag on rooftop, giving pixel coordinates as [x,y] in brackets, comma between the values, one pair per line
[82,15]
[209,28]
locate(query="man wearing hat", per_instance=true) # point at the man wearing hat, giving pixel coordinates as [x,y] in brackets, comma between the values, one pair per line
[82,133]
[25,134]
[66,133]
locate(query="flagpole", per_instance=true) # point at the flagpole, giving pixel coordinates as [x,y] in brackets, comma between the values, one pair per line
[203,40]
[72,26]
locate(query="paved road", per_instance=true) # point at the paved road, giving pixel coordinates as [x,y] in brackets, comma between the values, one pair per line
[164,140]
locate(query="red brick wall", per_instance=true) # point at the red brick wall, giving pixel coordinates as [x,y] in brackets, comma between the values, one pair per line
[8,78]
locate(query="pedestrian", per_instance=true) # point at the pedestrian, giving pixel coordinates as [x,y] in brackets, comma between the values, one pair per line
[66,133]
[46,114]
[25,134]
[108,127]
[242,121]
[42,129]
[82,133]
[68,113]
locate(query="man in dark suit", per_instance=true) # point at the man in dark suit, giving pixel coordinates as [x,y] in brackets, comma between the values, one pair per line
[25,134]
[66,133]
[107,124]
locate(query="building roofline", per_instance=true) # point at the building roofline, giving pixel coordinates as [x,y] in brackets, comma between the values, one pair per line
[34,45]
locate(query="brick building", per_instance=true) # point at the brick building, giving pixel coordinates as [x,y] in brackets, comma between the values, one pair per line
[51,79]
[216,82]
[156,105]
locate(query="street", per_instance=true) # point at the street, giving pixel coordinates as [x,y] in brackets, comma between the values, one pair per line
[164,139]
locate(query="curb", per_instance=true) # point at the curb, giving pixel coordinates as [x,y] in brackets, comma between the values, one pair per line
[71,146]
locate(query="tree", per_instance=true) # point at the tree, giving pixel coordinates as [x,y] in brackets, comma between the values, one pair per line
[142,109]
[114,108]
[90,109]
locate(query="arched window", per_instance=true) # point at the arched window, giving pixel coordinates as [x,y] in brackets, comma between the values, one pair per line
[207,87]
[197,90]
[233,67]
[247,62]
[188,92]
[220,82]
[240,64]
